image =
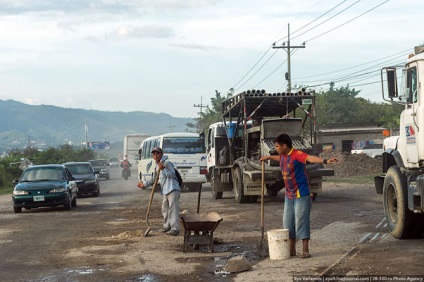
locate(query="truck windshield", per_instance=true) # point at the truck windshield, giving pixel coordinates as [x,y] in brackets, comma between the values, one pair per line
[183,145]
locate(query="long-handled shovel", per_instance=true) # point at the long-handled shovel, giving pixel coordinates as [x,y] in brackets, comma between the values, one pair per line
[150,203]
[262,251]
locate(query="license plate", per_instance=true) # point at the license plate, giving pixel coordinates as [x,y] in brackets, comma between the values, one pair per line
[39,198]
[183,170]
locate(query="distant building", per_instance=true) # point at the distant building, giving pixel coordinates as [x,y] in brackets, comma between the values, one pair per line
[345,137]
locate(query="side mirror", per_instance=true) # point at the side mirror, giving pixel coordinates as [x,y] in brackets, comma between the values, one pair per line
[392,83]
[16,181]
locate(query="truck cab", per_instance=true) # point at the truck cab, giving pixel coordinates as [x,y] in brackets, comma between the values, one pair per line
[402,180]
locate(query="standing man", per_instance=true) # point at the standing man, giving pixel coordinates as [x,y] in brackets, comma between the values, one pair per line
[170,189]
[298,203]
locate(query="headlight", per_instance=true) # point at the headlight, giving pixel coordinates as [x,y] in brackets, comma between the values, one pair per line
[20,192]
[58,190]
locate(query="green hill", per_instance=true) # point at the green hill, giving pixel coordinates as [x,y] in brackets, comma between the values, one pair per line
[49,126]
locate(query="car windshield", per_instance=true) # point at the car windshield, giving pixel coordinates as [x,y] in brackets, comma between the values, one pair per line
[183,145]
[43,173]
[80,169]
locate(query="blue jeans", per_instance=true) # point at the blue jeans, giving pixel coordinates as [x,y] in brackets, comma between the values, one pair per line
[296,217]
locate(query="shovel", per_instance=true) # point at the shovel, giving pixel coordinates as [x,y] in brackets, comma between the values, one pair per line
[262,251]
[150,203]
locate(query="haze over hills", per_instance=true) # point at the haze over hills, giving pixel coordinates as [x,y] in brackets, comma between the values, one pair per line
[50,125]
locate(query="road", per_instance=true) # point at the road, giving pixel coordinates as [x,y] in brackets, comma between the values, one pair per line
[102,239]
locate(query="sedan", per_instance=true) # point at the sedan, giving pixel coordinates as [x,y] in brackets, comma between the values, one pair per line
[45,186]
[86,178]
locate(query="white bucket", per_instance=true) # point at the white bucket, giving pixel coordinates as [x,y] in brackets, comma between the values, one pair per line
[279,244]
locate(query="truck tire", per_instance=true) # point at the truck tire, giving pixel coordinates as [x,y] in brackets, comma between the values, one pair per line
[214,182]
[238,187]
[395,201]
[194,187]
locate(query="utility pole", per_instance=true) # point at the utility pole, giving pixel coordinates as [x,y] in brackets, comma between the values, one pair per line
[170,126]
[200,106]
[288,51]
[86,136]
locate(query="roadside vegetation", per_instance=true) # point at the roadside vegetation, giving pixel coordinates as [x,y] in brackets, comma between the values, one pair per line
[9,166]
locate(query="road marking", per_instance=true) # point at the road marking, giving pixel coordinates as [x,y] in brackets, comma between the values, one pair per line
[375,237]
[381,222]
[364,238]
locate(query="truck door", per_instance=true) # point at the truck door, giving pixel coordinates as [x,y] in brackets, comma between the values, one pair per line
[409,128]
[211,148]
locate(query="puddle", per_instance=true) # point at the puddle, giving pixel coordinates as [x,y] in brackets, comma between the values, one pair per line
[84,270]
[147,278]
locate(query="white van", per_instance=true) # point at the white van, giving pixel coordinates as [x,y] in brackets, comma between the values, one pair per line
[185,150]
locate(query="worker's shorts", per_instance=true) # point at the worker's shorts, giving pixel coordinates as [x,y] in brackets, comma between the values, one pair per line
[296,217]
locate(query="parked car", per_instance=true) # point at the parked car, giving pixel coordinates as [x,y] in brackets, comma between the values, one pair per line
[373,150]
[45,186]
[85,177]
[102,166]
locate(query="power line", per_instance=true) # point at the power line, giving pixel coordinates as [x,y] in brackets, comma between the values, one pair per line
[375,7]
[235,89]
[348,7]
[340,70]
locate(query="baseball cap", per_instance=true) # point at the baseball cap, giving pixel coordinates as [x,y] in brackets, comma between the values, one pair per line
[157,149]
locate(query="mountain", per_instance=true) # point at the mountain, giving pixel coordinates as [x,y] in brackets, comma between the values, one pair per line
[49,126]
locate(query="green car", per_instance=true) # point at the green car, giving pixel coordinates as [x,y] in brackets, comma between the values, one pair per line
[45,186]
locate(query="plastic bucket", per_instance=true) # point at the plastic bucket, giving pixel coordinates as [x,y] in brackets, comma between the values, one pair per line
[231,128]
[278,244]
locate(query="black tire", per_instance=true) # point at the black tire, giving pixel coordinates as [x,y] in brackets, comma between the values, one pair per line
[194,187]
[214,182]
[126,176]
[107,177]
[68,204]
[271,193]
[253,199]
[395,202]
[17,209]
[74,202]
[96,194]
[238,187]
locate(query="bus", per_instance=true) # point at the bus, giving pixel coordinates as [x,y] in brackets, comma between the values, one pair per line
[132,143]
[187,151]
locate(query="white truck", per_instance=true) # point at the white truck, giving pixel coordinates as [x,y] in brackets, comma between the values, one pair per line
[251,120]
[402,180]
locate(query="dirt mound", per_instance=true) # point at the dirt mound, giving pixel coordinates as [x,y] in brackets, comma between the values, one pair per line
[353,164]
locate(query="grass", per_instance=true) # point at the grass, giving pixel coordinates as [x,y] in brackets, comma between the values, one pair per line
[6,190]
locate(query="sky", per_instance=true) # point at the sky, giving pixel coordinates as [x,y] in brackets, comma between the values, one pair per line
[170,56]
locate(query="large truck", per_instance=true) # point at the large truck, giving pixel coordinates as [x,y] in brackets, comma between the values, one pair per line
[251,120]
[132,144]
[402,180]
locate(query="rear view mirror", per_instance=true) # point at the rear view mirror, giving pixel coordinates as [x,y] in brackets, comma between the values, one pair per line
[392,83]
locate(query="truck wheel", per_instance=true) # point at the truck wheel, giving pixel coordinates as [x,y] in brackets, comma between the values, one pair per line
[395,197]
[194,187]
[253,199]
[238,187]
[214,182]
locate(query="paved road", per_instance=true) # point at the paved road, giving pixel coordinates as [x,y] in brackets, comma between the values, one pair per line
[101,239]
